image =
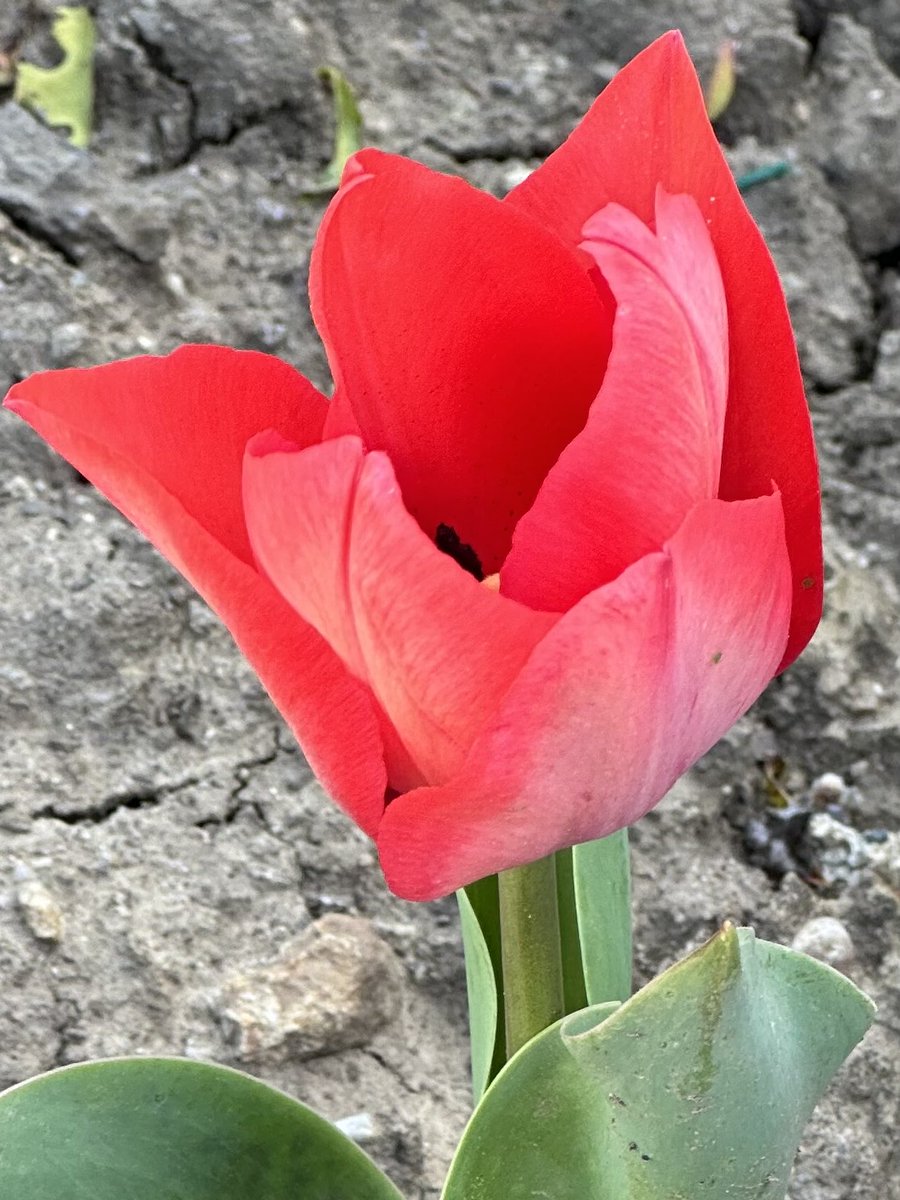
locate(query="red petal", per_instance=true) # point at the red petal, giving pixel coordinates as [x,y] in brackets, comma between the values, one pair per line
[437,648]
[653,441]
[163,438]
[649,128]
[625,692]
[469,341]
[340,419]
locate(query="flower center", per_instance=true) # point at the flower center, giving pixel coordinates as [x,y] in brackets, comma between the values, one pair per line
[447,539]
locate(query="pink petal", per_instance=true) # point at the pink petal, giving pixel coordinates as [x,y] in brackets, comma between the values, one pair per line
[652,444]
[625,692]
[163,438]
[437,648]
[467,339]
[649,129]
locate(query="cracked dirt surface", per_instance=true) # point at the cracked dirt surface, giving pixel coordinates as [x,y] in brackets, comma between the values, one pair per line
[160,834]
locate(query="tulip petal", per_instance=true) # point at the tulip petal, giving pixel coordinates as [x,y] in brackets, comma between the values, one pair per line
[652,444]
[163,438]
[469,341]
[626,691]
[648,129]
[437,648]
[340,419]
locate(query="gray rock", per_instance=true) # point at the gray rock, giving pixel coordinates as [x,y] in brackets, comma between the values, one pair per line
[884,853]
[829,299]
[882,17]
[854,110]
[844,853]
[771,57]
[332,988]
[887,368]
[858,431]
[237,62]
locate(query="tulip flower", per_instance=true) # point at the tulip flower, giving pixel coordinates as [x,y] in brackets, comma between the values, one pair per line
[558,525]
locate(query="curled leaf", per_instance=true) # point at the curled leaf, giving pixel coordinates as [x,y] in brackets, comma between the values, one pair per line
[348,128]
[696,1088]
[64,95]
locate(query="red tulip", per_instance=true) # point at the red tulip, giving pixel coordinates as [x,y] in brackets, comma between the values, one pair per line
[559,525]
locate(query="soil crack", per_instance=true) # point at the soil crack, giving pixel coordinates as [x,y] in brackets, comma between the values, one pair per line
[242,773]
[102,810]
[35,232]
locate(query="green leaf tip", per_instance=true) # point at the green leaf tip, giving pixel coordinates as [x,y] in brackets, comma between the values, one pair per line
[697,1088]
[64,95]
[348,128]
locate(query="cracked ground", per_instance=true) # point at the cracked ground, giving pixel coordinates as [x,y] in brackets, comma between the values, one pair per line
[160,833]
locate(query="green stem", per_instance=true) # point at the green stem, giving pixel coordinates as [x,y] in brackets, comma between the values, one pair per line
[531,954]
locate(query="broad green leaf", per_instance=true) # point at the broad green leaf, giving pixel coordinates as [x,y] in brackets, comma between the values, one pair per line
[601,876]
[480,923]
[348,128]
[172,1129]
[64,95]
[697,1087]
[720,90]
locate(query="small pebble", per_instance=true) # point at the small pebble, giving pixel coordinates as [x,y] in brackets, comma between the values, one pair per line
[359,1127]
[66,343]
[827,939]
[271,211]
[331,988]
[842,851]
[40,911]
[884,851]
[828,789]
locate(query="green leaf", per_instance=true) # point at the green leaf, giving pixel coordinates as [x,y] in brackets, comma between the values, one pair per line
[574,992]
[348,129]
[698,1087]
[64,95]
[172,1129]
[601,876]
[534,1134]
[480,923]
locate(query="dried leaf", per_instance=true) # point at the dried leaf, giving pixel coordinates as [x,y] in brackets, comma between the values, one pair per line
[64,95]
[720,88]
